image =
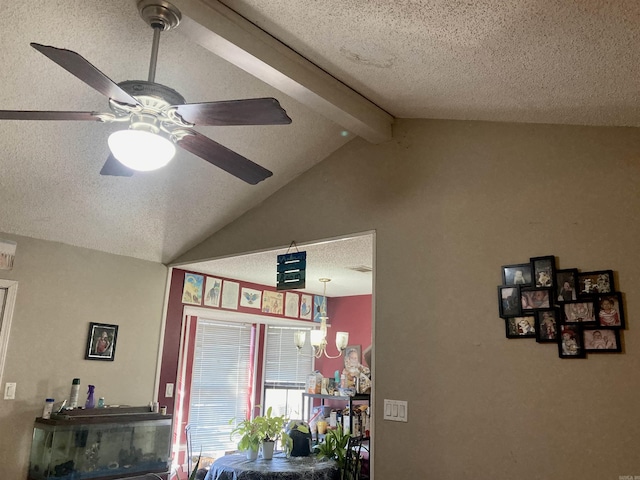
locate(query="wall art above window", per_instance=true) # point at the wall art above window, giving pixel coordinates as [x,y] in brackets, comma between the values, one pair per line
[580,311]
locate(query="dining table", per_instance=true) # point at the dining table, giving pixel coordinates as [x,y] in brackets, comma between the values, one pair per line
[280,467]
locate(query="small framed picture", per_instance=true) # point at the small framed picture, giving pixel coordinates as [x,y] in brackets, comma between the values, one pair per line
[520,327]
[570,342]
[544,271]
[533,298]
[509,301]
[601,339]
[518,274]
[101,342]
[566,284]
[590,283]
[579,311]
[547,321]
[610,311]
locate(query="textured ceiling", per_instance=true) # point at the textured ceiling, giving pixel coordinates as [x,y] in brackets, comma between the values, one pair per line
[574,62]
[50,186]
[347,262]
[540,61]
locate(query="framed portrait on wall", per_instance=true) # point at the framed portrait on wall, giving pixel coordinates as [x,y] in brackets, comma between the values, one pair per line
[610,311]
[579,311]
[520,327]
[547,321]
[602,340]
[544,271]
[570,343]
[509,301]
[101,342]
[596,282]
[517,274]
[566,284]
[533,298]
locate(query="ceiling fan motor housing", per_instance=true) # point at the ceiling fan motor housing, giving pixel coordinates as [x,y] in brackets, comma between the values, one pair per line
[155,113]
[159,14]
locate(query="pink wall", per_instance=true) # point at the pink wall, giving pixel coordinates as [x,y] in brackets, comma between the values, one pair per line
[349,314]
[346,314]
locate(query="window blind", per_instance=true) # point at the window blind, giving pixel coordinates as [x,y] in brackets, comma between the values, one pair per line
[220,383]
[283,365]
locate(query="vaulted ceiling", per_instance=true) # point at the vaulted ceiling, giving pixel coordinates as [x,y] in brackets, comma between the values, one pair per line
[340,68]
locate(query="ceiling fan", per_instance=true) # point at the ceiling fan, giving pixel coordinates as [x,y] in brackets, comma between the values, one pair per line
[157,116]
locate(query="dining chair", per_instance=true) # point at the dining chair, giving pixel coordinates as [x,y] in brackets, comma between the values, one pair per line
[352,464]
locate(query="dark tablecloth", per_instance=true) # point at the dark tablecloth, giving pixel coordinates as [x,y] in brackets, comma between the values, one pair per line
[237,467]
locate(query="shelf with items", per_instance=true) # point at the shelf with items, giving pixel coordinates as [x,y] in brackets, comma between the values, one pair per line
[357,420]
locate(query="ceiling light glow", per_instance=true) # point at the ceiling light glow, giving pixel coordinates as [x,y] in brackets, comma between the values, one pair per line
[141,150]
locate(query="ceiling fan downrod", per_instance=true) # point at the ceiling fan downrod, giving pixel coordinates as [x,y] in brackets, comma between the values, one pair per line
[161,16]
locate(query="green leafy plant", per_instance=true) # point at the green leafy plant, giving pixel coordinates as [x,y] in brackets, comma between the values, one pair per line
[250,432]
[273,429]
[334,446]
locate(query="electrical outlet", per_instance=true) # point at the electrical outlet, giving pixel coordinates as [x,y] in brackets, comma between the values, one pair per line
[168,390]
[10,391]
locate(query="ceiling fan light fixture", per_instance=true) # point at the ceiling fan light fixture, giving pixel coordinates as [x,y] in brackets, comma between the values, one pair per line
[141,150]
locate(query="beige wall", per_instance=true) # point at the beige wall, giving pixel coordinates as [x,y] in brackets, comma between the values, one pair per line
[60,290]
[451,202]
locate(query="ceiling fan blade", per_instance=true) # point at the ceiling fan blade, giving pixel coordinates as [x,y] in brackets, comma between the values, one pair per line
[252,111]
[223,158]
[40,115]
[82,69]
[114,168]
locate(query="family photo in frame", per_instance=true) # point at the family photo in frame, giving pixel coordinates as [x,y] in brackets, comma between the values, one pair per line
[101,342]
[579,311]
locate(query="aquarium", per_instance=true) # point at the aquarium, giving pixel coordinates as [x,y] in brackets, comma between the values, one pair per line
[103,443]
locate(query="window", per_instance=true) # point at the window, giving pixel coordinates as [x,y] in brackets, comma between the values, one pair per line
[221,383]
[285,372]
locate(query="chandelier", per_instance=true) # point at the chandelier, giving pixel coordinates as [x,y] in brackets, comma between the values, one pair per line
[318,337]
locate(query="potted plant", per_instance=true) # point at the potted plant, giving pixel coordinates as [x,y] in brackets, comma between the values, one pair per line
[335,446]
[251,434]
[273,430]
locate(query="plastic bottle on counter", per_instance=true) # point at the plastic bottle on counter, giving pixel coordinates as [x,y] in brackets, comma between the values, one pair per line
[75,390]
[48,408]
[91,402]
[101,402]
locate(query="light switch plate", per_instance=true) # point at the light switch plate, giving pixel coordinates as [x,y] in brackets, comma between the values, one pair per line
[395,410]
[10,391]
[168,390]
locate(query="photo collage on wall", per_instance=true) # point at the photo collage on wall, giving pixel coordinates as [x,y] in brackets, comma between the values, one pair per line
[579,311]
[203,290]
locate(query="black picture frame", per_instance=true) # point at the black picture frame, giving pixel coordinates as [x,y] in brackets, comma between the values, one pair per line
[569,292]
[601,340]
[584,311]
[570,341]
[547,321]
[510,276]
[535,298]
[613,317]
[520,327]
[509,301]
[544,271]
[595,282]
[101,342]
